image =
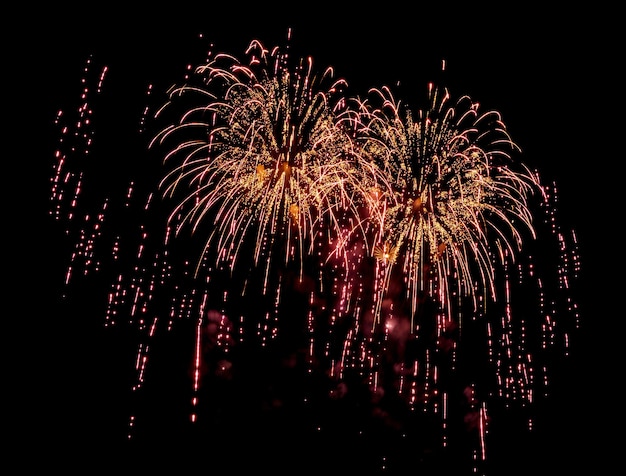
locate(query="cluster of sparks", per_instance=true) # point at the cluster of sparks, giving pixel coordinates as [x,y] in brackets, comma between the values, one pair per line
[373,243]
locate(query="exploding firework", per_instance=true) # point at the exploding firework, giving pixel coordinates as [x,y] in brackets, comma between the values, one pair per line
[262,154]
[454,203]
[388,258]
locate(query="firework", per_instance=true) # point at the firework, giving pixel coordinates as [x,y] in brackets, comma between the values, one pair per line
[356,236]
[262,155]
[456,201]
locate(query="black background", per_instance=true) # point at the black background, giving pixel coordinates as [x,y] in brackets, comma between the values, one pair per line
[551,72]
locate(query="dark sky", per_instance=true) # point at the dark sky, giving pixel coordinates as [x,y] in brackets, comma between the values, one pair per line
[550,72]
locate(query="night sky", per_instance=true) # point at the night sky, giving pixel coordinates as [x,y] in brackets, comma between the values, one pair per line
[550,73]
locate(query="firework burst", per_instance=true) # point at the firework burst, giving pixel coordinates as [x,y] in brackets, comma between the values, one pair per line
[262,155]
[368,238]
[454,200]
